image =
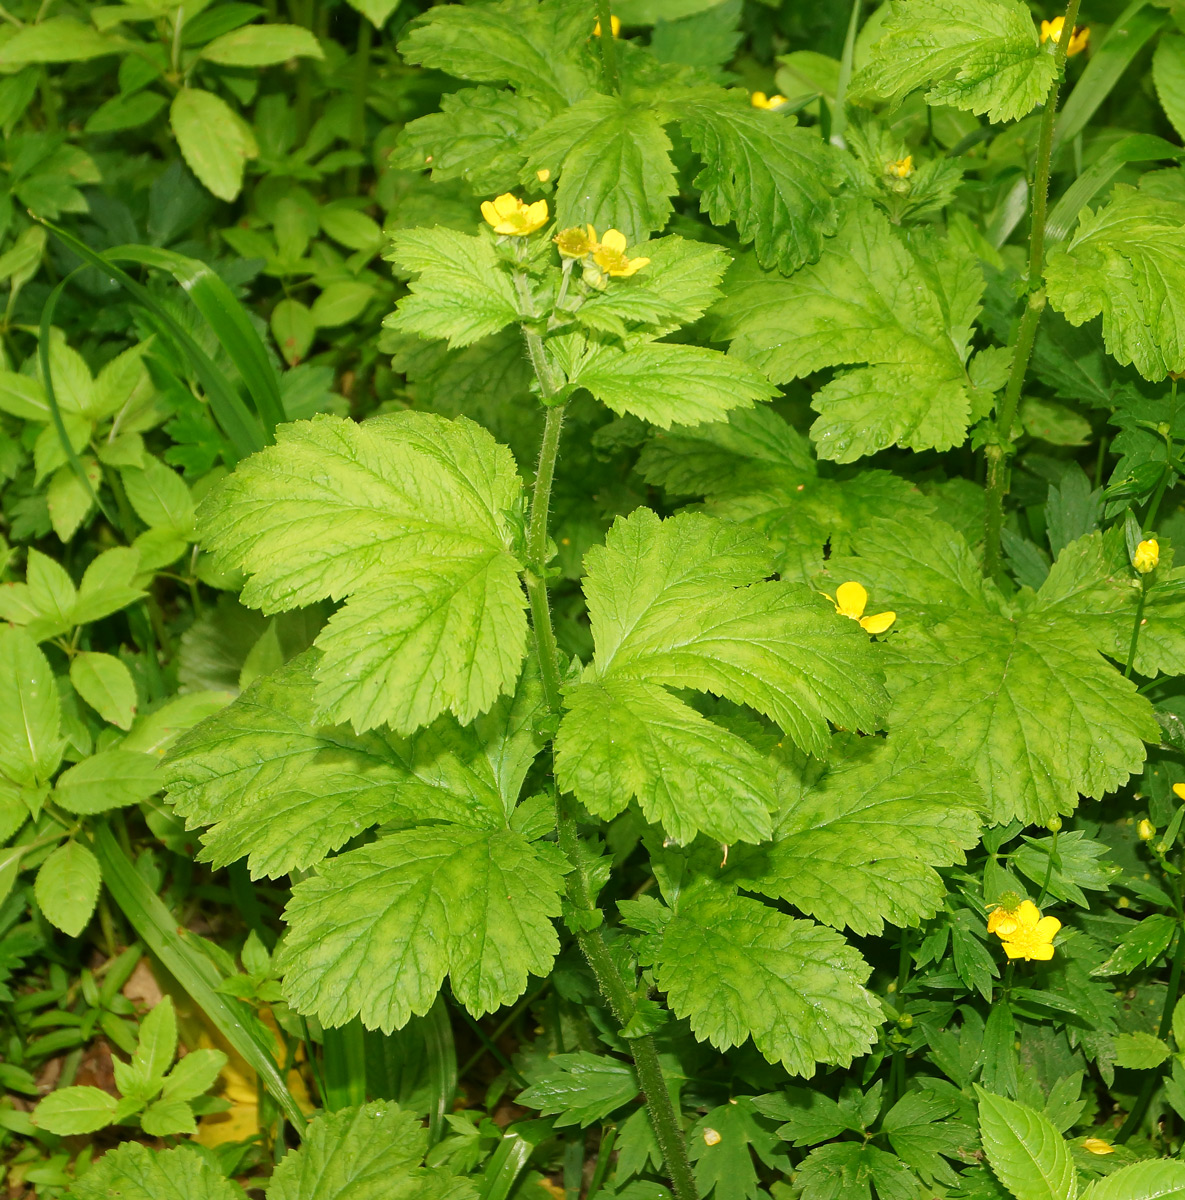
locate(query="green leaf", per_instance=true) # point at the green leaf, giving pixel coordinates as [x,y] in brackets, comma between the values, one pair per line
[158,1042]
[377,929]
[276,784]
[133,1172]
[845,1171]
[30,711]
[1168,74]
[159,496]
[530,45]
[105,683]
[75,1110]
[922,1128]
[106,780]
[735,968]
[623,739]
[478,135]
[771,178]
[723,1164]
[408,516]
[195,1074]
[165,1118]
[666,383]
[375,11]
[363,1153]
[125,112]
[980,55]
[1079,862]
[612,158]
[261,46]
[1140,1051]
[60,39]
[294,329]
[462,292]
[582,1088]
[214,140]
[341,303]
[1142,943]
[1027,1154]
[1021,698]
[69,499]
[1127,262]
[67,888]
[859,847]
[871,300]
[1159,1179]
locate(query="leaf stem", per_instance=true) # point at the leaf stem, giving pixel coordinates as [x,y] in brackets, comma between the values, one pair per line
[1135,638]
[998,454]
[609,73]
[582,914]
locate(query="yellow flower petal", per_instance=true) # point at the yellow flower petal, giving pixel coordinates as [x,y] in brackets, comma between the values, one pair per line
[1040,953]
[1047,928]
[1016,950]
[543,174]
[1098,1146]
[507,204]
[614,239]
[759,100]
[1028,914]
[1147,556]
[851,599]
[1179,790]
[878,622]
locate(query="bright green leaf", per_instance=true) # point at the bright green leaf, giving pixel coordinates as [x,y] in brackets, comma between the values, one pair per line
[67,887]
[214,140]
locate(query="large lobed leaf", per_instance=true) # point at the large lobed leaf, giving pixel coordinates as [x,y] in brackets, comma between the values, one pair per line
[874,300]
[410,517]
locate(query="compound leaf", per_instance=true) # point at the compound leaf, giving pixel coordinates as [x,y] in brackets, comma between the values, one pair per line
[410,517]
[871,300]
[582,1088]
[376,930]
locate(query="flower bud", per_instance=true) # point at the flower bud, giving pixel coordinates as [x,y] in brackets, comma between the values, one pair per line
[1146,830]
[1054,824]
[1147,555]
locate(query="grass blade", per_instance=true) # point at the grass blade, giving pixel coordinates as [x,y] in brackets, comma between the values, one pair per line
[517,1144]
[157,928]
[343,1060]
[442,1067]
[229,410]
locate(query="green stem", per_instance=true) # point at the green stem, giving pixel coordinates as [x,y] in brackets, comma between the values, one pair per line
[608,48]
[1048,870]
[1136,624]
[358,111]
[997,481]
[604,1158]
[585,917]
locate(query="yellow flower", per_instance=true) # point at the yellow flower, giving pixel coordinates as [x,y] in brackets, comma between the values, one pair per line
[614,24]
[712,1137]
[1003,921]
[1147,555]
[1026,933]
[850,601]
[902,168]
[610,256]
[514,217]
[1052,31]
[1146,829]
[773,103]
[576,242]
[1098,1146]
[543,174]
[1179,790]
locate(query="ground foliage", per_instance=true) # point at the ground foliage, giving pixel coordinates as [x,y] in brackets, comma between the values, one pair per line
[593,614]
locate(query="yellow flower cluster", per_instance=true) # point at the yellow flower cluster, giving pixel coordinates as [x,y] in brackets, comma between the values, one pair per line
[902,168]
[1147,556]
[1024,931]
[851,599]
[1051,31]
[772,103]
[513,217]
[608,253]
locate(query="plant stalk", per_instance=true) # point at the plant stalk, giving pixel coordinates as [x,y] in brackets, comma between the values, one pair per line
[668,1129]
[998,454]
[609,74]
[358,100]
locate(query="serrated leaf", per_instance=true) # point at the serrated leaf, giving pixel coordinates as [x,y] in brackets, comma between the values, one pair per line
[213,139]
[667,383]
[376,930]
[462,292]
[478,135]
[723,1163]
[581,1088]
[848,1170]
[59,39]
[1127,262]
[867,300]
[1140,946]
[1023,699]
[1140,1051]
[1160,1179]
[67,887]
[75,1110]
[363,1153]
[737,969]
[409,517]
[979,55]
[1027,1154]
[279,786]
[612,158]
[859,847]
[773,179]
[166,1118]
[133,1172]
[922,1129]
[532,46]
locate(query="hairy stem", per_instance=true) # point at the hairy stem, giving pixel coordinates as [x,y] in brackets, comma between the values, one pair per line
[997,480]
[585,919]
[608,48]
